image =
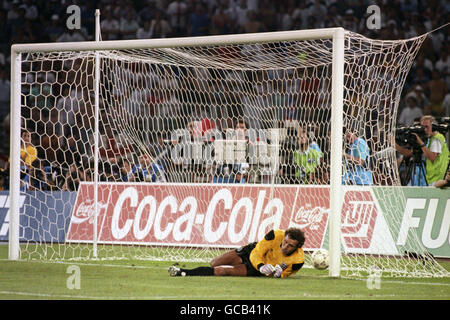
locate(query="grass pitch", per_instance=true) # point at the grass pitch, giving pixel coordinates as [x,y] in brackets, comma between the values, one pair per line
[149,280]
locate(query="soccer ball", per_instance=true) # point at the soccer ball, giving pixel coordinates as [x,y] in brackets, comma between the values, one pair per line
[320,259]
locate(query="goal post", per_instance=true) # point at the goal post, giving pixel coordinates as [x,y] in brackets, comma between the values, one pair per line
[14,170]
[140,150]
[337,111]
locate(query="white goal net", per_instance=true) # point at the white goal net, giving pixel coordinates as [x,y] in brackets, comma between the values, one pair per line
[202,148]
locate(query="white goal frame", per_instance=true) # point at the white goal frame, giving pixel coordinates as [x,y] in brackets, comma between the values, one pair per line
[336,188]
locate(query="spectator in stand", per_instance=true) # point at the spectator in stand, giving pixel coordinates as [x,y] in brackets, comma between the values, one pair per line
[437,89]
[307,159]
[110,27]
[350,22]
[446,105]
[150,11]
[159,27]
[411,112]
[3,180]
[151,170]
[198,21]
[334,19]
[421,76]
[14,14]
[28,152]
[128,26]
[221,21]
[443,64]
[357,161]
[54,30]
[422,100]
[240,14]
[284,17]
[266,14]
[109,172]
[177,11]
[5,86]
[125,170]
[301,15]
[317,9]
[423,62]
[253,24]
[73,178]
[161,151]
[146,31]
[31,10]
[156,28]
[71,35]
[39,179]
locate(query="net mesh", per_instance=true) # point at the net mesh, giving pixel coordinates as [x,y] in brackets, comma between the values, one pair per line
[207,148]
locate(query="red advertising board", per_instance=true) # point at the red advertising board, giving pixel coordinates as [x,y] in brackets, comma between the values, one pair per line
[215,215]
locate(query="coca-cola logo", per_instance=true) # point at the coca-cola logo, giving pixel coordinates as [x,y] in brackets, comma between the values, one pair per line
[86,211]
[310,217]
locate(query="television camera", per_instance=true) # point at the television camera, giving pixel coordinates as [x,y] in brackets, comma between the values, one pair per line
[405,136]
[414,167]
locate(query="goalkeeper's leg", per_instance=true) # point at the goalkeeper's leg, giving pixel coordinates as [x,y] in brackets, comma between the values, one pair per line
[229,258]
[227,264]
[231,263]
[225,270]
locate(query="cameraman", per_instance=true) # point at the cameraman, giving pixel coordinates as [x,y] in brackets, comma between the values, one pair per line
[435,151]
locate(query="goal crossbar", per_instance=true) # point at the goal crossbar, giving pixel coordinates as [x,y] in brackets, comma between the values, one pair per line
[248,38]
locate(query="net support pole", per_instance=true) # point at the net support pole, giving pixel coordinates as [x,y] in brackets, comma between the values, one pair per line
[336,189]
[96,133]
[14,169]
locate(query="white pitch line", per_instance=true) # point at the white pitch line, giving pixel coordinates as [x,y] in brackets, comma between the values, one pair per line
[56,296]
[209,298]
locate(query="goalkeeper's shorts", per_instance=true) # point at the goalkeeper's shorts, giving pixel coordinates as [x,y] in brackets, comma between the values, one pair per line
[244,253]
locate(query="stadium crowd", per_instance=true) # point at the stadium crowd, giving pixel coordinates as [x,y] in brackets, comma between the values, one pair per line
[28,21]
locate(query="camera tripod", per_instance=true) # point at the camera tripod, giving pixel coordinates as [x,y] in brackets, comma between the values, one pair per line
[414,170]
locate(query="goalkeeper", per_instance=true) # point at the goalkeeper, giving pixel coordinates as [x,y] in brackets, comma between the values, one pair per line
[279,254]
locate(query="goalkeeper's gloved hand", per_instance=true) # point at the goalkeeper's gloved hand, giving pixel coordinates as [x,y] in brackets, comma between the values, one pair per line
[267,269]
[278,271]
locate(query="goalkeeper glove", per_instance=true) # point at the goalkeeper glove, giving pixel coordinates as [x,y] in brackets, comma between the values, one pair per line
[278,271]
[267,269]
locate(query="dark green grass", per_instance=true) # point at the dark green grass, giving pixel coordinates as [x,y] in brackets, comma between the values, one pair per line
[141,279]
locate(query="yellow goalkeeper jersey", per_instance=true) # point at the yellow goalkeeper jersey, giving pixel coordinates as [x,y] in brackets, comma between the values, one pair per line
[268,251]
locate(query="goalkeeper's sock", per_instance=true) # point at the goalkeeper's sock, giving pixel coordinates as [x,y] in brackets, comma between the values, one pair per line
[200,271]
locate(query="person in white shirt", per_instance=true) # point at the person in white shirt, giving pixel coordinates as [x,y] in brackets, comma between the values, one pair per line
[128,26]
[176,11]
[73,35]
[411,112]
[145,32]
[110,27]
